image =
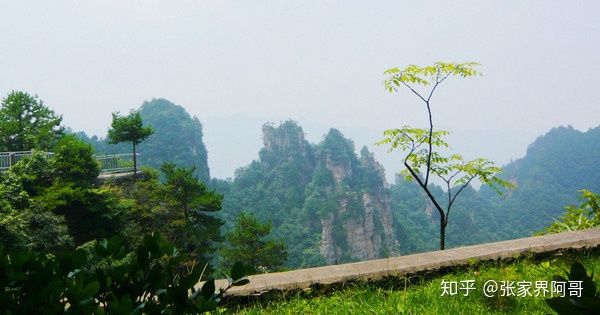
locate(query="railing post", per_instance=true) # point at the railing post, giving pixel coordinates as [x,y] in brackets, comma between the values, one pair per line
[11,156]
[9,159]
[117,163]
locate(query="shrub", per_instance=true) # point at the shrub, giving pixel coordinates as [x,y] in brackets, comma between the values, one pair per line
[580,217]
[147,280]
[587,303]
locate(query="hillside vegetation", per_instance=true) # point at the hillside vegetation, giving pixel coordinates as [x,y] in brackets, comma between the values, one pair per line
[332,204]
[311,204]
[327,203]
[177,138]
[279,187]
[557,165]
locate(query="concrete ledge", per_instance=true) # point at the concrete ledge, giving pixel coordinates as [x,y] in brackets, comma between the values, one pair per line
[118,178]
[413,264]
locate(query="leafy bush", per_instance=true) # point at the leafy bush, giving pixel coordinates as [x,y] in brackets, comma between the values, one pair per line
[585,216]
[587,303]
[73,161]
[148,280]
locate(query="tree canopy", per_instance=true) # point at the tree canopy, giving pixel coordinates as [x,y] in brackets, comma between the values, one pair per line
[48,202]
[129,128]
[182,209]
[248,242]
[26,123]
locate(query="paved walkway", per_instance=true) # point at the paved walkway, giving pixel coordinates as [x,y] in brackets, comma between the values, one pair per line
[416,263]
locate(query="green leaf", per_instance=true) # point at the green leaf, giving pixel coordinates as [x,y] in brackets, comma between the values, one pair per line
[240,270]
[561,305]
[90,289]
[100,248]
[545,264]
[113,246]
[208,289]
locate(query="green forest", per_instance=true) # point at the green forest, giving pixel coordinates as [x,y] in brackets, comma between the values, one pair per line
[330,203]
[299,204]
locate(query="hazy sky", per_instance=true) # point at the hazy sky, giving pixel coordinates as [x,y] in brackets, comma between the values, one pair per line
[236,64]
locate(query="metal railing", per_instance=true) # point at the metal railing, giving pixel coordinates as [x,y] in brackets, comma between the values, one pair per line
[8,159]
[109,163]
[116,163]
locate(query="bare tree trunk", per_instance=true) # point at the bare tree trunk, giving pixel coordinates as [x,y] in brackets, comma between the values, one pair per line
[435,203]
[442,233]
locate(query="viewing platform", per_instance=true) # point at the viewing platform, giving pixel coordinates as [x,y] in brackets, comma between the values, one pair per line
[110,164]
[8,159]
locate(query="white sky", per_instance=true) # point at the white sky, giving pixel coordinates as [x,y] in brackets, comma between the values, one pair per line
[236,64]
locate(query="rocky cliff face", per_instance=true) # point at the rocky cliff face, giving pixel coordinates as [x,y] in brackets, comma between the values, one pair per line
[287,139]
[362,208]
[322,199]
[285,147]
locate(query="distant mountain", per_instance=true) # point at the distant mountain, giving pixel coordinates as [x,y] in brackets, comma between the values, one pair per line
[331,205]
[328,204]
[548,178]
[177,138]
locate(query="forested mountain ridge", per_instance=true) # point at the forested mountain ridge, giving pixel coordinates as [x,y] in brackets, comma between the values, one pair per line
[177,138]
[563,156]
[329,205]
[332,206]
[557,165]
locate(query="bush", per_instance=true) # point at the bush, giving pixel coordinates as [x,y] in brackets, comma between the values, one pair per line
[586,215]
[587,303]
[73,161]
[147,280]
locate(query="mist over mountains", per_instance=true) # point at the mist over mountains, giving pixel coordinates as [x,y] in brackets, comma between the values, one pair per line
[332,203]
[244,135]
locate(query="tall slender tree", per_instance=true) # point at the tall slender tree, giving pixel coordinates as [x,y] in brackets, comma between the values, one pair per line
[129,128]
[423,145]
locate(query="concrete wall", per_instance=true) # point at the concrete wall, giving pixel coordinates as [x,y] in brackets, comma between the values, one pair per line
[414,264]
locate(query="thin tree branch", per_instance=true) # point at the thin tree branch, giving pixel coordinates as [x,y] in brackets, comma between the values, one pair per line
[445,77]
[412,150]
[462,187]
[437,82]
[454,175]
[449,195]
[435,203]
[430,144]
[413,90]
[454,198]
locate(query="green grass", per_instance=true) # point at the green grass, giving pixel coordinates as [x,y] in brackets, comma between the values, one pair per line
[422,294]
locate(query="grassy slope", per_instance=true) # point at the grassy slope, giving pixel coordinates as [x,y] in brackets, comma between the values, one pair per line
[423,295]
